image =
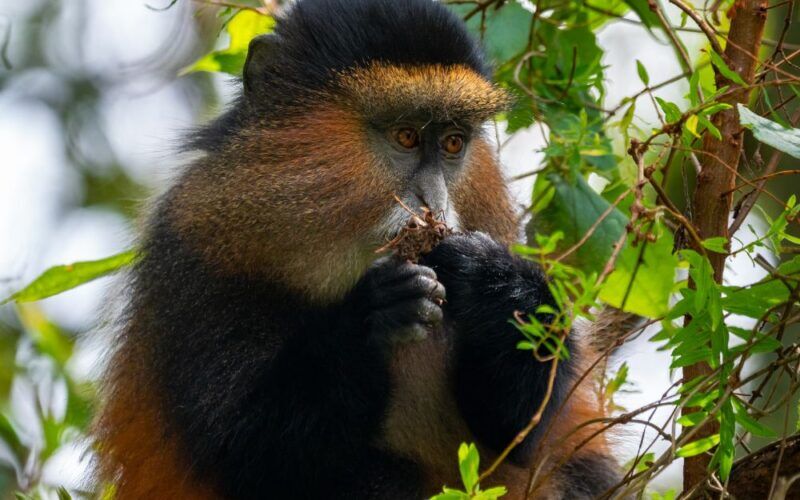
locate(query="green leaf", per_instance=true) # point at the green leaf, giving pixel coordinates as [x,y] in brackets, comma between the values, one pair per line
[242,28]
[697,355]
[694,88]
[450,494]
[618,381]
[723,457]
[504,30]
[671,110]
[692,419]
[643,76]
[573,210]
[491,493]
[644,277]
[9,436]
[712,129]
[716,244]
[797,424]
[755,300]
[62,278]
[642,9]
[715,108]
[771,133]
[691,125]
[723,68]
[468,463]
[47,336]
[697,447]
[751,425]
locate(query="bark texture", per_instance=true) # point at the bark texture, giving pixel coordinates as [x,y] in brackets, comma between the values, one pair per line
[720,160]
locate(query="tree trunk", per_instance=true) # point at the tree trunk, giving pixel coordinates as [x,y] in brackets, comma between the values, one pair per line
[720,160]
[752,475]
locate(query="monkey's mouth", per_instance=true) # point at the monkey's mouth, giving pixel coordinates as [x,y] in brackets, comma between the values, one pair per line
[419,236]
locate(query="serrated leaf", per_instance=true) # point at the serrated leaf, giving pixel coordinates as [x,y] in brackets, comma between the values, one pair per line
[754,300]
[62,278]
[771,133]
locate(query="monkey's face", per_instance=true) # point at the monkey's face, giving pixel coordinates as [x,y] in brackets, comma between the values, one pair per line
[306,197]
[426,160]
[421,124]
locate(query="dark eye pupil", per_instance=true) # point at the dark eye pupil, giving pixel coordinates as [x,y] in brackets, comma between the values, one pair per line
[453,144]
[407,137]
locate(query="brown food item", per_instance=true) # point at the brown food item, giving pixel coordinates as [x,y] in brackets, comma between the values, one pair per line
[420,235]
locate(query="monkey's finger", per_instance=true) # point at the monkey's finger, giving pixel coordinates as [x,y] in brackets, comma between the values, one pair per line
[416,286]
[405,313]
[388,269]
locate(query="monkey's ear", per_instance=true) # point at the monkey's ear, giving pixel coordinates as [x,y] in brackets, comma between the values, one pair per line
[260,57]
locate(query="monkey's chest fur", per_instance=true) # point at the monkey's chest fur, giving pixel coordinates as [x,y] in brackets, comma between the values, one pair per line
[423,422]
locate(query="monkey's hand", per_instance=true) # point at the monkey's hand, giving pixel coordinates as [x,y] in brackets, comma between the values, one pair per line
[485,283]
[401,301]
[497,386]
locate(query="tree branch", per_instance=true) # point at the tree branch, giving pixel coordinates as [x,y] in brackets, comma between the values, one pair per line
[710,206]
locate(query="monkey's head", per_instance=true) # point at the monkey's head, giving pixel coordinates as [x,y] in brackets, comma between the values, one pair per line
[348,104]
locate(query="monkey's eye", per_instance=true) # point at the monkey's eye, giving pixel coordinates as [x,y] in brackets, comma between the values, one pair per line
[407,137]
[453,144]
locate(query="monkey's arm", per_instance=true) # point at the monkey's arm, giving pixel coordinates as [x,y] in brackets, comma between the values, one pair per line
[498,387]
[270,394]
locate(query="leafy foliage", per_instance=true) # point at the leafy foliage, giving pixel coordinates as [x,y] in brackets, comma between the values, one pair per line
[242,27]
[631,244]
[468,463]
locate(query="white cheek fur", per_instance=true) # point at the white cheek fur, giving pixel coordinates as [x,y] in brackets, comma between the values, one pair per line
[398,217]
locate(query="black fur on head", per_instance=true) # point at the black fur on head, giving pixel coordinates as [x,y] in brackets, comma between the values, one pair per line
[316,39]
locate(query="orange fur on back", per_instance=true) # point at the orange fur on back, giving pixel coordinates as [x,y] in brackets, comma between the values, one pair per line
[136,454]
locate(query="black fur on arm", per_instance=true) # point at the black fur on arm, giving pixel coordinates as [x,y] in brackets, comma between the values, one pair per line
[589,476]
[269,395]
[498,387]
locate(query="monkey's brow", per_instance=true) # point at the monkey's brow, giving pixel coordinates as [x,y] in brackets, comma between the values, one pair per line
[430,120]
[403,117]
